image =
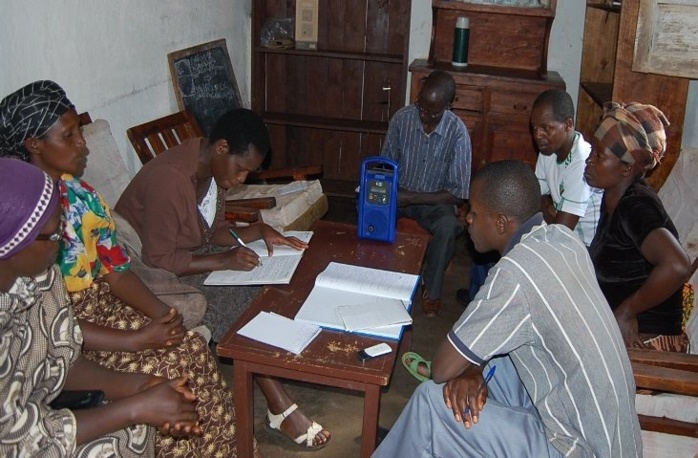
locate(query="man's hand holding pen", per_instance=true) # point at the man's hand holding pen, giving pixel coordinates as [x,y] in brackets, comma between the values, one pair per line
[466,394]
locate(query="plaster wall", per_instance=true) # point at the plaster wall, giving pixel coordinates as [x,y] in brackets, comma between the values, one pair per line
[111,55]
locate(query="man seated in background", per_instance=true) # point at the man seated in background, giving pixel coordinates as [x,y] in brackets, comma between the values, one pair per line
[433,150]
[567,198]
[563,384]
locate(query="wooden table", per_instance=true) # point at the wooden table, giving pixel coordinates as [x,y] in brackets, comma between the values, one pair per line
[331,358]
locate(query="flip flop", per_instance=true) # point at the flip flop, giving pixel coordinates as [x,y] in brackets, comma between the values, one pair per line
[412,366]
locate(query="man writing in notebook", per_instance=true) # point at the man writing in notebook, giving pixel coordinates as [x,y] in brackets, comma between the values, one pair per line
[432,147]
[563,385]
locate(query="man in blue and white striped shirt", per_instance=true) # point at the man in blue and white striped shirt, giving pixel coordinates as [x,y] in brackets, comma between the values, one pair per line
[563,384]
[433,150]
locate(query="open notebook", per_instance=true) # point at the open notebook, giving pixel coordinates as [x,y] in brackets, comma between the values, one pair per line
[275,270]
[358,299]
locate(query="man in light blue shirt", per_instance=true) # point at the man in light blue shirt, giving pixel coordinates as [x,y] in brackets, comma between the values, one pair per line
[433,150]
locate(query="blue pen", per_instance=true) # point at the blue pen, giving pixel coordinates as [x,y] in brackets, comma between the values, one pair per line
[240,242]
[488,377]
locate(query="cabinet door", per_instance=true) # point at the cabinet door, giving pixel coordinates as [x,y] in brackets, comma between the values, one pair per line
[510,138]
[474,123]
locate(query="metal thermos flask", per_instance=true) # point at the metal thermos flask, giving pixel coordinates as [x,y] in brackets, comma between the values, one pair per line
[461,38]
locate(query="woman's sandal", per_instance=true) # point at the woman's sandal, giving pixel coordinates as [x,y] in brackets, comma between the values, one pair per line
[273,424]
[412,366]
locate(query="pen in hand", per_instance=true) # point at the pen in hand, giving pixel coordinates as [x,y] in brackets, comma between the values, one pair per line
[241,243]
[488,377]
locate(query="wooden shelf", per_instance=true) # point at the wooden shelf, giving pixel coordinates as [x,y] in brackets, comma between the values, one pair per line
[317,122]
[494,9]
[609,8]
[339,188]
[346,55]
[599,92]
[607,74]
[494,72]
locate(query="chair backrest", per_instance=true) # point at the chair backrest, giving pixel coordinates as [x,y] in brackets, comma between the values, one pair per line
[154,137]
[106,170]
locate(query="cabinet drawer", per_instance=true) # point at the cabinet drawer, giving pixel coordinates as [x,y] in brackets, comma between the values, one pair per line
[509,139]
[517,103]
[468,98]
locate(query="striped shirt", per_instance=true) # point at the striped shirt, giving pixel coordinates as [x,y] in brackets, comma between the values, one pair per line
[541,304]
[565,184]
[430,162]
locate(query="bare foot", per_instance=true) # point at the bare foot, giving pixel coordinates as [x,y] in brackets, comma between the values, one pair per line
[297,424]
[422,368]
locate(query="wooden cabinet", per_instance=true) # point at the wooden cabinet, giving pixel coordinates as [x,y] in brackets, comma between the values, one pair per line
[495,106]
[507,69]
[606,74]
[331,106]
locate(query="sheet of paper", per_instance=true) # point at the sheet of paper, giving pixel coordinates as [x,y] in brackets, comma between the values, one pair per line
[281,332]
[366,316]
[276,270]
[365,280]
[259,247]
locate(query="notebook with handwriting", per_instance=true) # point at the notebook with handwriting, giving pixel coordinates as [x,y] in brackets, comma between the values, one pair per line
[277,269]
[344,291]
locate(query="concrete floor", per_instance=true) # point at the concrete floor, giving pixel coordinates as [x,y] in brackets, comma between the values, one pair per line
[340,411]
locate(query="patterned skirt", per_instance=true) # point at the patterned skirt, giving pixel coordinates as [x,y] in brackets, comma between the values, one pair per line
[192,357]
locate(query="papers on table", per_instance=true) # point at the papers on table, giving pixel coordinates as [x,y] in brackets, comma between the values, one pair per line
[360,289]
[279,331]
[275,270]
[365,316]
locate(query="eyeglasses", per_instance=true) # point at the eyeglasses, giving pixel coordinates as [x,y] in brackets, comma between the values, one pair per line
[55,237]
[431,116]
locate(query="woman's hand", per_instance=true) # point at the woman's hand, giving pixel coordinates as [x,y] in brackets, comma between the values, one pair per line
[164,332]
[241,258]
[627,322]
[272,237]
[466,395]
[169,405]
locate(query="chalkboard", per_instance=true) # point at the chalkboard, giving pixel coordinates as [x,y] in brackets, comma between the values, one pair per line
[204,82]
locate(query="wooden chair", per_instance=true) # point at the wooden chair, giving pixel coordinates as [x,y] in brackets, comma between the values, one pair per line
[666,372]
[154,137]
[672,373]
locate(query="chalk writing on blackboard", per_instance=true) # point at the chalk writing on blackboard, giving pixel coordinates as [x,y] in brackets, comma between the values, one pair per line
[204,82]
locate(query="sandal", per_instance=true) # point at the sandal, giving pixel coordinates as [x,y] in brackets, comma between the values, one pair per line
[273,424]
[412,367]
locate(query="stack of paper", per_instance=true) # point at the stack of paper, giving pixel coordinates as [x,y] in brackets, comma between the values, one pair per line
[279,331]
[360,299]
[275,270]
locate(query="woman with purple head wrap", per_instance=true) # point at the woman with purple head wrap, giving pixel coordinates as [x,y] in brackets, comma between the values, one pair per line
[125,326]
[41,346]
[640,264]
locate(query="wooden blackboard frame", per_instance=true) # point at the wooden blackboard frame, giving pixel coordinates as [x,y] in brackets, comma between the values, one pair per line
[223,94]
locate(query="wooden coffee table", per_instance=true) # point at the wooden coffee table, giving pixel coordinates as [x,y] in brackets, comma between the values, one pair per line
[331,358]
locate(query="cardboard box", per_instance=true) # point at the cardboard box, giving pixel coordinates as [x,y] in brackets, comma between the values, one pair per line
[306,24]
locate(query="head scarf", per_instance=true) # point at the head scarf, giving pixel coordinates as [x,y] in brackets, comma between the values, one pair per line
[29,113]
[634,132]
[28,198]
